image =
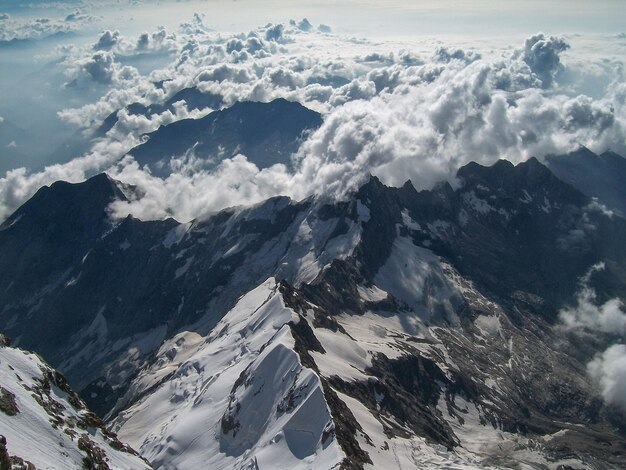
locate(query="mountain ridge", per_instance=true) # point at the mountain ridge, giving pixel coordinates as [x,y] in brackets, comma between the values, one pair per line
[399,307]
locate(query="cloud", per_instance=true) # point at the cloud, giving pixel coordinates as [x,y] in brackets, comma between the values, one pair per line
[196,26]
[236,181]
[588,316]
[323,28]
[100,68]
[274,32]
[542,55]
[443,54]
[13,30]
[303,25]
[78,16]
[608,370]
[395,113]
[107,41]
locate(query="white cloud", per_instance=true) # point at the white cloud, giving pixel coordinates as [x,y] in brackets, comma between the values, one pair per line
[14,29]
[388,110]
[107,41]
[588,316]
[542,55]
[608,370]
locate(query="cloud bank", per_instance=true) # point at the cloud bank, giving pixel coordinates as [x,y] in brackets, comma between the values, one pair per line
[387,110]
[16,30]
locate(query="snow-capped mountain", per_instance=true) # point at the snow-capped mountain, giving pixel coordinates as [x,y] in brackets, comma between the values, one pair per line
[45,425]
[266,133]
[392,329]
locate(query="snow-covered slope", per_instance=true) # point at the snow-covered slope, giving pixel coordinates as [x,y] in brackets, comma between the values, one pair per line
[45,423]
[240,398]
[279,384]
[393,329]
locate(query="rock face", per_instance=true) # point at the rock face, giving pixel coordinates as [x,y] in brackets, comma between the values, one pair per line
[44,424]
[600,176]
[395,328]
[266,133]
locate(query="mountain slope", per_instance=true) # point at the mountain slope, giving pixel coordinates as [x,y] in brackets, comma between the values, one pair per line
[393,328]
[240,395]
[266,133]
[194,100]
[44,423]
[600,176]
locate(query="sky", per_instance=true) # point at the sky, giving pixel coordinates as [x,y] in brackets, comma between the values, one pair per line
[407,90]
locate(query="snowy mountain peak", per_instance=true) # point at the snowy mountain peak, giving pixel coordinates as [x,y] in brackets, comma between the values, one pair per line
[38,406]
[392,328]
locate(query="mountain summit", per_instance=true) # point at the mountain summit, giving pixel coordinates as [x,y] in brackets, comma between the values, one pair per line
[396,327]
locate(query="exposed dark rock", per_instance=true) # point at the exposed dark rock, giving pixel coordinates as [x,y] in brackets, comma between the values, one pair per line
[5,461]
[7,402]
[12,462]
[346,427]
[266,133]
[95,457]
[410,390]
[601,176]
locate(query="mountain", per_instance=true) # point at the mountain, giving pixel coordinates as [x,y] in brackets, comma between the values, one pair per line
[601,176]
[266,133]
[194,100]
[395,328]
[44,423]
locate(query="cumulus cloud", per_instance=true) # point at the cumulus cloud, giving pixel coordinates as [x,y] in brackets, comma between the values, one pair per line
[395,113]
[100,68]
[274,32]
[542,54]
[79,16]
[587,315]
[235,181]
[303,25]
[196,26]
[608,370]
[107,41]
